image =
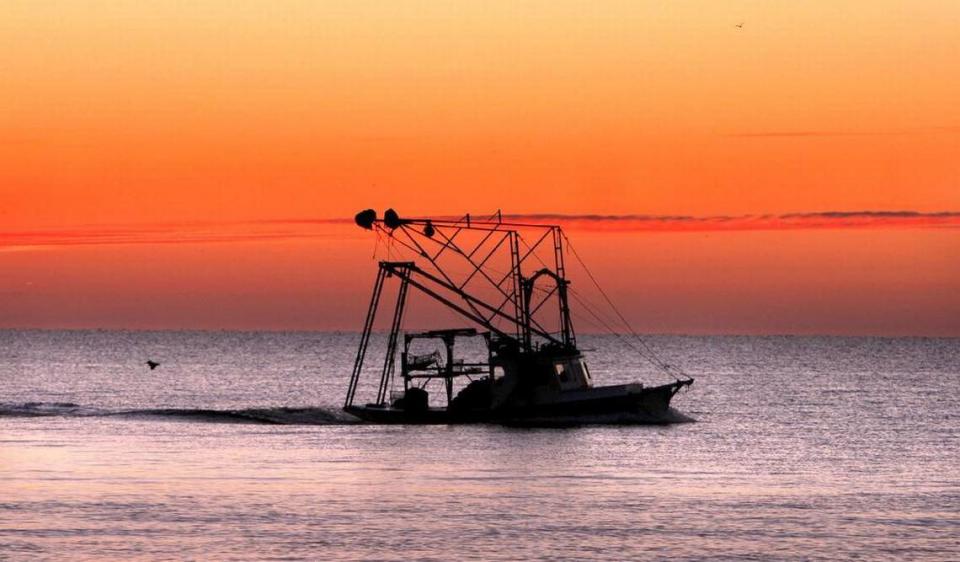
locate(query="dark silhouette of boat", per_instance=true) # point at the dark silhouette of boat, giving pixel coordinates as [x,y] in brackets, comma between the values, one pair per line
[530,374]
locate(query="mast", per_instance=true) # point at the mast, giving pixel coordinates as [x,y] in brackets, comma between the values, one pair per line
[566,326]
[365,337]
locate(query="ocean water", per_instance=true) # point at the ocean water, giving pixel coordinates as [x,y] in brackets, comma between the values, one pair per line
[234,448]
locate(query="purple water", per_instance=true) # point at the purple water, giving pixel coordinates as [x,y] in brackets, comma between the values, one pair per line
[234,448]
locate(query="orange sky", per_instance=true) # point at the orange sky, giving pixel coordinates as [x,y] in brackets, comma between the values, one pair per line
[128,115]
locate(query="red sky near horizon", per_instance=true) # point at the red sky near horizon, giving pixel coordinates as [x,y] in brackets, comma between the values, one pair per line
[161,164]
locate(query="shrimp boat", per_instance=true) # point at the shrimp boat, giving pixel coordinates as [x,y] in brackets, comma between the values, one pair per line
[529,369]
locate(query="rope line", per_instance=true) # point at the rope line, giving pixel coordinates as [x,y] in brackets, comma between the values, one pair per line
[653,357]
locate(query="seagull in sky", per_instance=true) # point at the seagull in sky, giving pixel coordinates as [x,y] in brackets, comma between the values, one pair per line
[739,25]
[152,364]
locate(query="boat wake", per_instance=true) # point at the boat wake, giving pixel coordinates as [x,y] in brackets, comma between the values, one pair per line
[296,416]
[274,416]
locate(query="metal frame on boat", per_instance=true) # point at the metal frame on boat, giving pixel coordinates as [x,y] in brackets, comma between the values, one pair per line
[533,371]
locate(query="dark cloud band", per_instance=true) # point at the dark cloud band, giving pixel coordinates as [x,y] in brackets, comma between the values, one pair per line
[306,229]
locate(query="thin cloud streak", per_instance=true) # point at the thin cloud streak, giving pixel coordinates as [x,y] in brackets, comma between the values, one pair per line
[801,134]
[195,232]
[302,229]
[789,134]
[719,223]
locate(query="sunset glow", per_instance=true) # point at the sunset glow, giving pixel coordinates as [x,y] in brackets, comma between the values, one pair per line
[171,165]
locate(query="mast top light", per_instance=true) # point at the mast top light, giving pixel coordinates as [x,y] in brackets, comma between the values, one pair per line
[365,219]
[392,220]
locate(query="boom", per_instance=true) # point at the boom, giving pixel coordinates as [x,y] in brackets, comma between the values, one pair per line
[481,294]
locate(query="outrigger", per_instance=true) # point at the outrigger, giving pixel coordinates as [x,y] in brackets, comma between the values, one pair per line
[530,374]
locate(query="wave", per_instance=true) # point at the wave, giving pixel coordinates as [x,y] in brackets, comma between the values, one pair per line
[273,416]
[39,409]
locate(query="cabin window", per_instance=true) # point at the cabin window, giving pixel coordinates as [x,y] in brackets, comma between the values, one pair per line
[562,373]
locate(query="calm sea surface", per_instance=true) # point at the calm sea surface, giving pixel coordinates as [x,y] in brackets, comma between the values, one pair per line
[234,448]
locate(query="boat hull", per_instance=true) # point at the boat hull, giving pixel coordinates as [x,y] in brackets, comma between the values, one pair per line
[621,404]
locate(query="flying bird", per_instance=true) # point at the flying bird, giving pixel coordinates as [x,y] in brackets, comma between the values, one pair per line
[739,25]
[152,364]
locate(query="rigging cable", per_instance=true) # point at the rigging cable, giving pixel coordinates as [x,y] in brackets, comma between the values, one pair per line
[600,322]
[667,368]
[593,310]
